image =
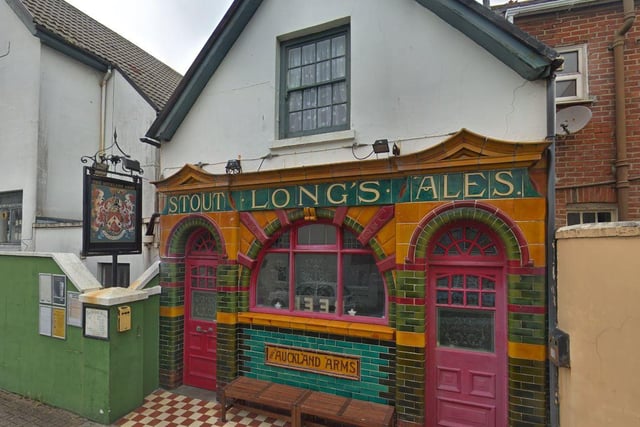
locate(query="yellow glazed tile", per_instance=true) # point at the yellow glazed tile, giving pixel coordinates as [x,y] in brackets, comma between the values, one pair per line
[410,339]
[527,351]
[227,318]
[534,231]
[537,253]
[172,311]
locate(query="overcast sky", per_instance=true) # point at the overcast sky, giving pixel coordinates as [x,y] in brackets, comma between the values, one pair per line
[174,31]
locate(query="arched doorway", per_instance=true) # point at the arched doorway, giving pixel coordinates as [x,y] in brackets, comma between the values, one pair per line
[200,328]
[466,327]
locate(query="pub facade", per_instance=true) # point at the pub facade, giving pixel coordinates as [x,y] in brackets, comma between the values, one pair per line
[415,282]
[353,200]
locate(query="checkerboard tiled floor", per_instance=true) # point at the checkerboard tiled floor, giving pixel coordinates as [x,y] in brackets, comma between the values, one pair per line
[166,409]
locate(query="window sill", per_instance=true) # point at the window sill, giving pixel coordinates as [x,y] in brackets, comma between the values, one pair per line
[337,327]
[567,102]
[321,138]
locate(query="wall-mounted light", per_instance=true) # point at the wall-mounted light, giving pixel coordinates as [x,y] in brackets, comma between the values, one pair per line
[381,146]
[131,165]
[233,167]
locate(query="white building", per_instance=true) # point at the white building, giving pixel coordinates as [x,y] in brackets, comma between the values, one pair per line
[67,84]
[409,77]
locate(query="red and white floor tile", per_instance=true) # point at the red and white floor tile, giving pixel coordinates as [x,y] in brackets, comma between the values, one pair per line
[165,409]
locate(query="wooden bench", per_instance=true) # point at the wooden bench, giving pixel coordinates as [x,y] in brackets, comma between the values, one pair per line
[263,397]
[302,407]
[329,407]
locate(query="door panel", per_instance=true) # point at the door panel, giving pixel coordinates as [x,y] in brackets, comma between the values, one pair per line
[467,347]
[200,324]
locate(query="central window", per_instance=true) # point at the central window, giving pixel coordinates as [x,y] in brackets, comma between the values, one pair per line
[314,86]
[319,270]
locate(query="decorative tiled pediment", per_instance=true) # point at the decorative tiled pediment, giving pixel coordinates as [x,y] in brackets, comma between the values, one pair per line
[189,177]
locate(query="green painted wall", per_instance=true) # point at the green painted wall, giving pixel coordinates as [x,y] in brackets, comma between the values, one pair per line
[100,380]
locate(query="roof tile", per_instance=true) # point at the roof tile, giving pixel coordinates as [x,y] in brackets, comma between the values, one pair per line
[155,80]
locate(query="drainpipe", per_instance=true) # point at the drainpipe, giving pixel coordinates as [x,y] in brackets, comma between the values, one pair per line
[550,252]
[622,162]
[103,108]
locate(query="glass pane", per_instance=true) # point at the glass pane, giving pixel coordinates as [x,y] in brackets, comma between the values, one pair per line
[308,75]
[323,71]
[457,298]
[604,216]
[316,282]
[282,241]
[442,282]
[468,329]
[488,283]
[338,68]
[339,93]
[573,218]
[293,78]
[488,300]
[363,286]
[473,298]
[338,46]
[203,305]
[472,282]
[317,234]
[458,281]
[272,286]
[570,62]
[324,117]
[295,101]
[340,114]
[588,217]
[294,57]
[442,297]
[310,97]
[295,122]
[308,54]
[349,240]
[309,120]
[323,50]
[324,95]
[566,88]
[491,250]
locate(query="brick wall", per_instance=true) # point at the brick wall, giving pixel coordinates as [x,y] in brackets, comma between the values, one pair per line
[585,160]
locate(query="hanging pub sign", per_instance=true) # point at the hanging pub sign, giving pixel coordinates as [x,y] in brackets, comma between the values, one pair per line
[112,215]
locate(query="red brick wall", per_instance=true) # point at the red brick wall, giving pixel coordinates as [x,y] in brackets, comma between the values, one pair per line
[585,160]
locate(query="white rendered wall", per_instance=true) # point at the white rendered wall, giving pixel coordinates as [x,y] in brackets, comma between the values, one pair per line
[414,79]
[70,129]
[19,94]
[49,119]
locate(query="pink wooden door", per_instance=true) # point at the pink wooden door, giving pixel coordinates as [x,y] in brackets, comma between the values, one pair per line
[467,345]
[200,315]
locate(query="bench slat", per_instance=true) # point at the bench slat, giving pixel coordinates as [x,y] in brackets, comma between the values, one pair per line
[294,403]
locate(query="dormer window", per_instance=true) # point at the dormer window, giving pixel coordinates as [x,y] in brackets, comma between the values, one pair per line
[314,95]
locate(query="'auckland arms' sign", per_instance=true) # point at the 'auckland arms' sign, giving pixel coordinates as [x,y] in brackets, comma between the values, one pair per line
[498,184]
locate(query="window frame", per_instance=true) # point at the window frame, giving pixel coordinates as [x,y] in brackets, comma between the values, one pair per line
[11,202]
[592,208]
[293,249]
[580,77]
[283,97]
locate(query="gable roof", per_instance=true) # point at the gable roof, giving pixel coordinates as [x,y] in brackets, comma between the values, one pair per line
[67,29]
[527,56]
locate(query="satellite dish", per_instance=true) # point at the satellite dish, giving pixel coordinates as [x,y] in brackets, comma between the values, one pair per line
[571,119]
